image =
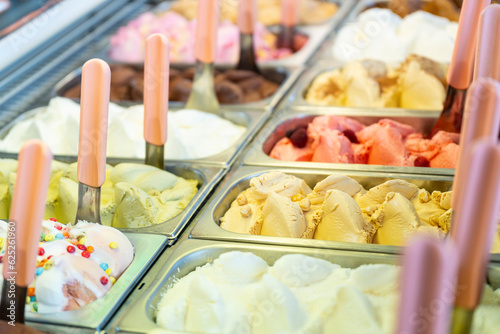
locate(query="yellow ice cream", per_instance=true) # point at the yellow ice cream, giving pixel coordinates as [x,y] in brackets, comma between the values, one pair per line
[133,195]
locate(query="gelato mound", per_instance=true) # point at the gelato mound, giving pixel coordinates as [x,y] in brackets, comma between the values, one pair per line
[192,134]
[338,139]
[231,86]
[443,8]
[418,83]
[76,264]
[128,43]
[338,209]
[268,11]
[240,293]
[132,196]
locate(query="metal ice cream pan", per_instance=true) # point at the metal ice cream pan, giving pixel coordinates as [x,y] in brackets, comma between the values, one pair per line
[140,317]
[260,148]
[206,176]
[284,76]
[96,314]
[297,100]
[208,226]
[252,120]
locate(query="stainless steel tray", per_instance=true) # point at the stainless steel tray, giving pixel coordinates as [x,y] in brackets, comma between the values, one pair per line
[251,119]
[207,176]
[286,76]
[208,225]
[316,33]
[276,128]
[297,100]
[96,314]
[190,254]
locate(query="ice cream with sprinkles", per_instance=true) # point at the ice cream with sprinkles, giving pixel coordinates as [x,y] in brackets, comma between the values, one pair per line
[76,264]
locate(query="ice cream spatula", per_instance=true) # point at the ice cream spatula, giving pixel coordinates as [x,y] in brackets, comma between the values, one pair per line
[289,19]
[247,15]
[474,227]
[429,277]
[156,72]
[96,79]
[203,94]
[481,121]
[487,64]
[25,223]
[461,67]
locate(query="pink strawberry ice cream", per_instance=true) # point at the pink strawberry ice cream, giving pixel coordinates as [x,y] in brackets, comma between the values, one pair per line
[338,139]
[127,45]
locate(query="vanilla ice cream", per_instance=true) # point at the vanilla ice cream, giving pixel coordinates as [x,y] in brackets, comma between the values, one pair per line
[382,35]
[192,134]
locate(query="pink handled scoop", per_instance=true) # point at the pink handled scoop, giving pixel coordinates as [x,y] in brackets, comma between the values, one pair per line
[289,19]
[247,16]
[428,278]
[487,63]
[156,72]
[96,77]
[474,226]
[203,94]
[461,67]
[25,223]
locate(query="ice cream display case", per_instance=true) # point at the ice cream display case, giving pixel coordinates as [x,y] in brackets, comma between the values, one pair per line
[243,215]
[274,146]
[191,254]
[236,90]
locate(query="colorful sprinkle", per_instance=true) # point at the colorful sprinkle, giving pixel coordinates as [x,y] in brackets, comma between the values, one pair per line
[86,254]
[70,249]
[35,307]
[1,259]
[42,237]
[33,299]
[39,271]
[28,299]
[59,227]
[104,266]
[108,271]
[49,237]
[82,241]
[59,236]
[49,257]
[112,279]
[65,233]
[41,251]
[104,280]
[90,249]
[81,247]
[113,245]
[31,292]
[53,219]
[47,266]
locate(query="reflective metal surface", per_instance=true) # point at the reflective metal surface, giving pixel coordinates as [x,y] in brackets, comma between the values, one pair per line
[202,95]
[155,155]
[89,204]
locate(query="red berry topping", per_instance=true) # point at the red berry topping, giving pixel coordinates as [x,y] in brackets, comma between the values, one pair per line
[70,249]
[421,162]
[59,227]
[1,259]
[41,251]
[86,254]
[299,138]
[81,247]
[53,219]
[50,256]
[351,135]
[104,280]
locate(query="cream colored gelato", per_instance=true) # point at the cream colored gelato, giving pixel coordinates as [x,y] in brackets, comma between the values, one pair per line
[132,196]
[192,134]
[241,293]
[419,83]
[338,209]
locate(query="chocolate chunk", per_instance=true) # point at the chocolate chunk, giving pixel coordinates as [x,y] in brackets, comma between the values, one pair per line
[220,77]
[229,93]
[268,88]
[188,73]
[173,74]
[251,84]
[180,89]
[121,74]
[239,75]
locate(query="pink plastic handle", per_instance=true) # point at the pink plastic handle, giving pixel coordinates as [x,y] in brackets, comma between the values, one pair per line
[476,222]
[428,279]
[488,45]
[289,12]
[27,210]
[462,60]
[481,120]
[247,16]
[96,77]
[156,72]
[206,31]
